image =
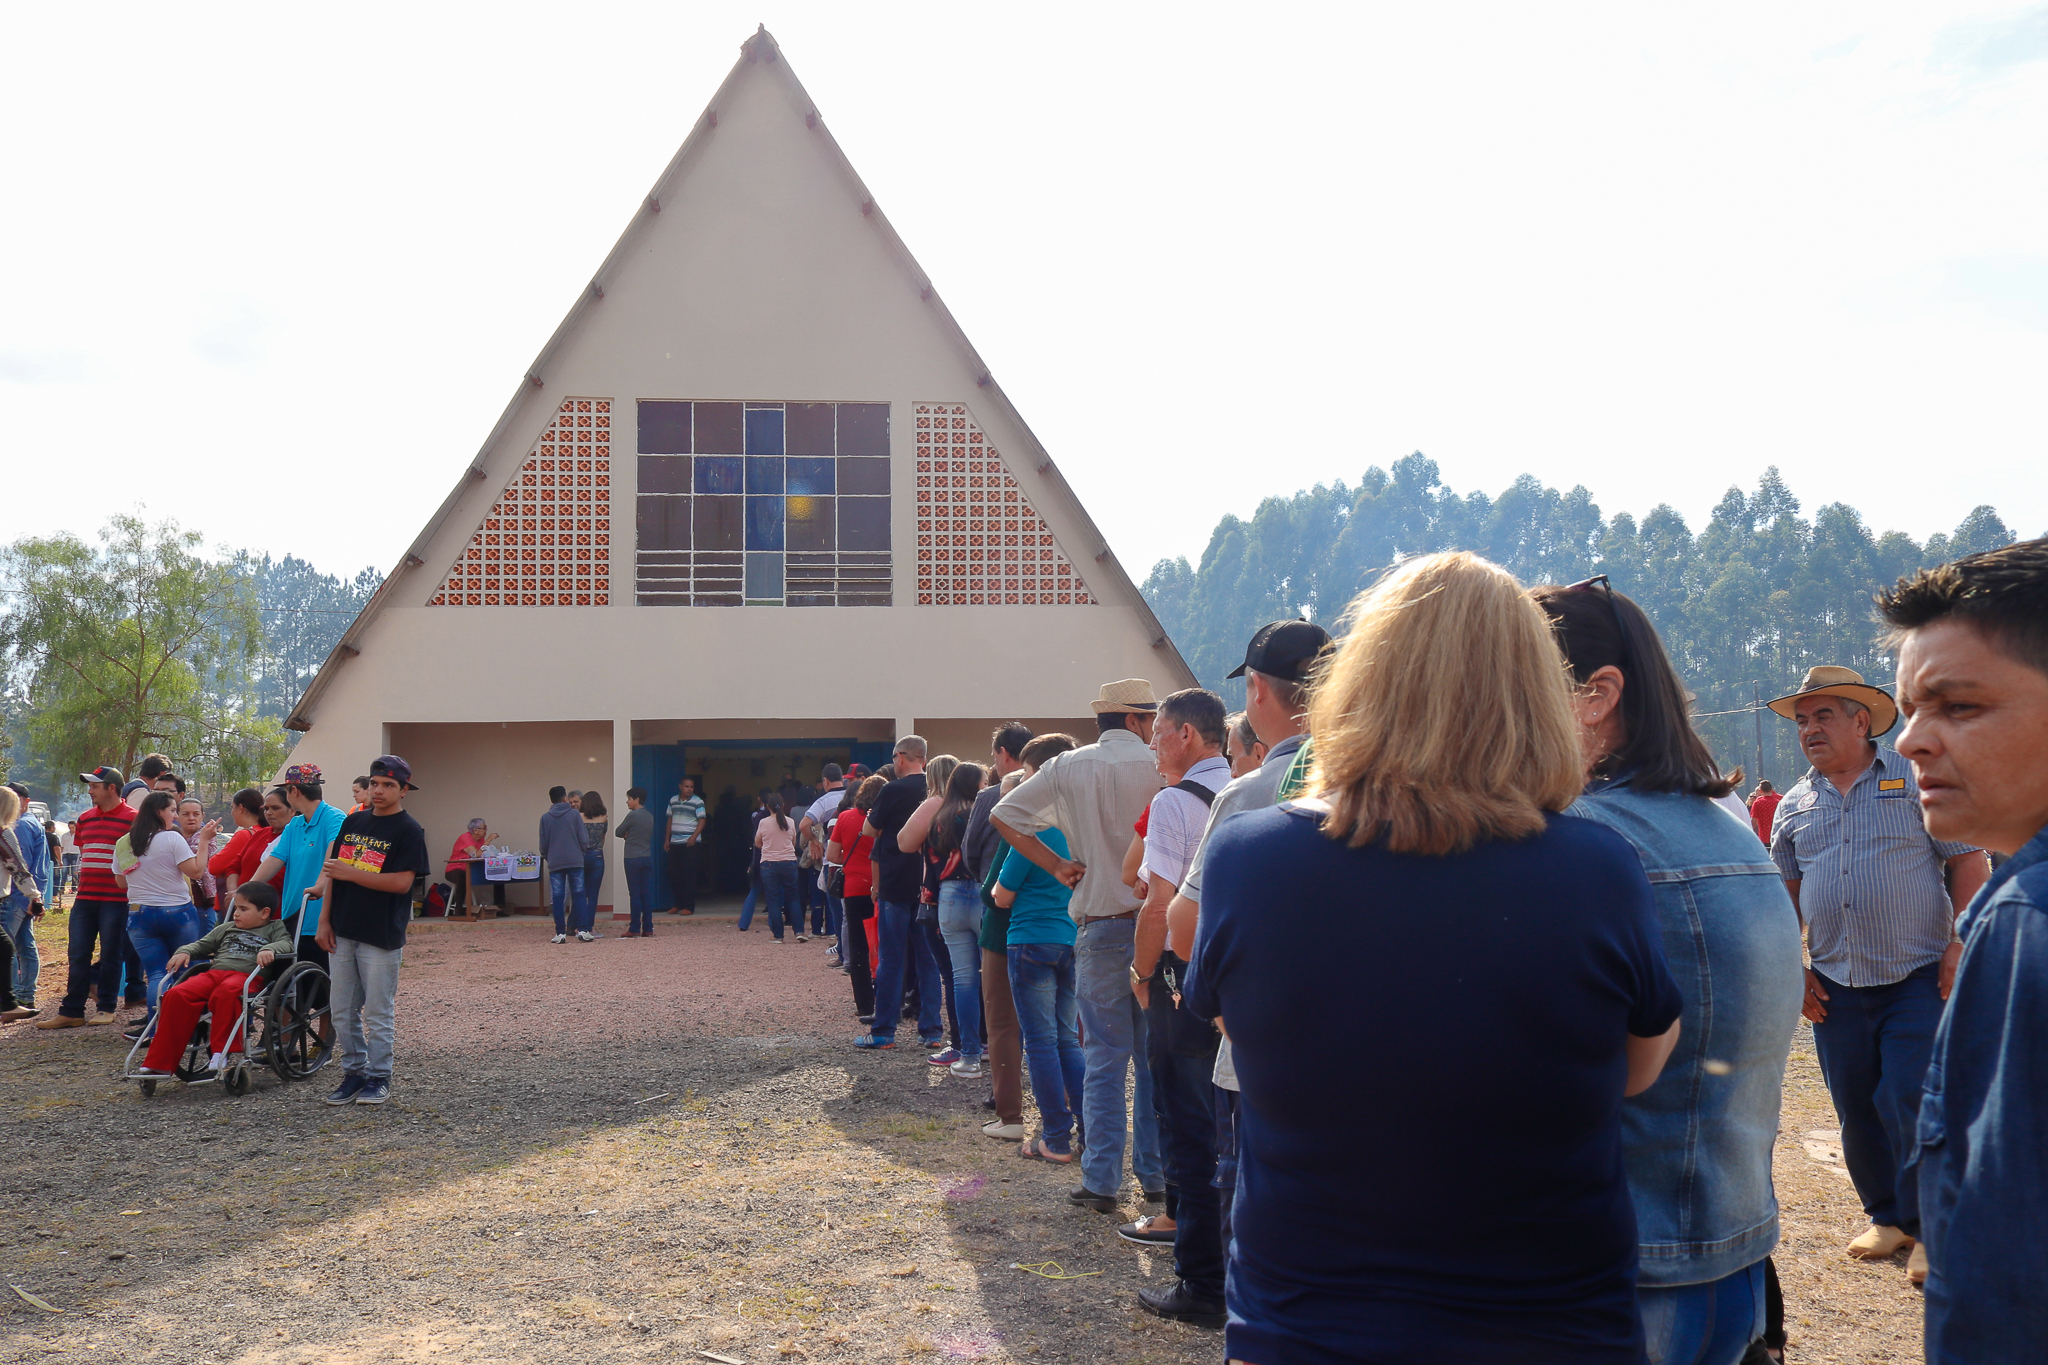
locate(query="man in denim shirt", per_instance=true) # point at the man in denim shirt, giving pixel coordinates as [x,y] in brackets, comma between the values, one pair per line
[1973,678]
[1868,881]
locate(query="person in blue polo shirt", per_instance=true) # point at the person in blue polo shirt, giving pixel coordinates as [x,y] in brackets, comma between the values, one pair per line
[299,850]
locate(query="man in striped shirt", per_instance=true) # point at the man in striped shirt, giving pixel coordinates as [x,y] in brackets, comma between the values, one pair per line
[100,913]
[1877,895]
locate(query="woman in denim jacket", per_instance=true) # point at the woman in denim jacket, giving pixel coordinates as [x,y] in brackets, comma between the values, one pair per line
[1698,1142]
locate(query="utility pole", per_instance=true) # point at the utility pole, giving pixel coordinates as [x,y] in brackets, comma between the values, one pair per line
[1757,709]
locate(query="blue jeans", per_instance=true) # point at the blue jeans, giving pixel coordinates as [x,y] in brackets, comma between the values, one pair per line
[104,922]
[902,946]
[960,927]
[753,899]
[1703,1324]
[593,878]
[1042,983]
[810,901]
[778,893]
[364,982]
[157,931]
[640,899]
[1113,1034]
[1182,1051]
[566,888]
[1874,1047]
[28,963]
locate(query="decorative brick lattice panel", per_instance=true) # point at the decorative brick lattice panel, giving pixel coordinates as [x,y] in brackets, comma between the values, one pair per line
[979,540]
[547,540]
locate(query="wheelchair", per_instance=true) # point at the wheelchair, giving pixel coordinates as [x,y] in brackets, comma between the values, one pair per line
[283,1011]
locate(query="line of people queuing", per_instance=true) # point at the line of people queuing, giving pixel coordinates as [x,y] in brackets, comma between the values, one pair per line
[1453,988]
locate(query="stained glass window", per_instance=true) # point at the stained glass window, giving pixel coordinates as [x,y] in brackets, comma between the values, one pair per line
[763,504]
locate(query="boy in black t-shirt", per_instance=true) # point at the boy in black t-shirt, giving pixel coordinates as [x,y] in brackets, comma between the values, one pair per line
[366,887]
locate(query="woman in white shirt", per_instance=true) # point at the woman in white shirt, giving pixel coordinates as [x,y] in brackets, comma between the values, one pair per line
[161,916]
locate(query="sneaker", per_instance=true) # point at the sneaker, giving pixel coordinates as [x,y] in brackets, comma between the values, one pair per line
[803,938]
[832,957]
[935,1046]
[595,934]
[559,938]
[874,1043]
[968,1067]
[351,1086]
[1004,1132]
[946,1058]
[374,1092]
[585,936]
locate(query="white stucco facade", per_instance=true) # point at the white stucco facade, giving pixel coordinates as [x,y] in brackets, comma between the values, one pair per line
[759,270]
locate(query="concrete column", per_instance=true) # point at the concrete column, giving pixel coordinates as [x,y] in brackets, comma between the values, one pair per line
[615,799]
[905,725]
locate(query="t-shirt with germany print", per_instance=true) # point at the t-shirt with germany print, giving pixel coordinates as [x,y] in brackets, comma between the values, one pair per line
[376,843]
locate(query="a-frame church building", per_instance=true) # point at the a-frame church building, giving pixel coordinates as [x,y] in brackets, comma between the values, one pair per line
[757,506]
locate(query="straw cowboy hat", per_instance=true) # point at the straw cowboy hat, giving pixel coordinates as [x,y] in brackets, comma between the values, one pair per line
[1129,694]
[1830,681]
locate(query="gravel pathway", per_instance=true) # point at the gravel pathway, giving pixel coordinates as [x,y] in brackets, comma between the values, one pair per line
[621,1150]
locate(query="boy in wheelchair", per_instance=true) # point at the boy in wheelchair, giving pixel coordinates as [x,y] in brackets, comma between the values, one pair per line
[250,939]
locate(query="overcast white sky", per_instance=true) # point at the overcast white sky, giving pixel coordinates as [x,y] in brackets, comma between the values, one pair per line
[274,271]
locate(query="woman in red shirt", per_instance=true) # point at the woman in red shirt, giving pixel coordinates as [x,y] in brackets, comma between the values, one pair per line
[258,818]
[849,848]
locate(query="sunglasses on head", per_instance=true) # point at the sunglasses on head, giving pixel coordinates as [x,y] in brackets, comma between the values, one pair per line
[1598,582]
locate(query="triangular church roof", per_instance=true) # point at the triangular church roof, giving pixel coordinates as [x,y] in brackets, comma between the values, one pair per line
[760,59]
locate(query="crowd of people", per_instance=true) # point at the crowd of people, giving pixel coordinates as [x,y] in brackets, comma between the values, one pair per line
[1439,1001]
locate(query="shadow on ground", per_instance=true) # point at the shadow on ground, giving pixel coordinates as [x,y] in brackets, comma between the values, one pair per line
[597,1152]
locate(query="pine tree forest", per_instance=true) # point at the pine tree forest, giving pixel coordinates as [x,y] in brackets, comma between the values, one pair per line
[1745,606]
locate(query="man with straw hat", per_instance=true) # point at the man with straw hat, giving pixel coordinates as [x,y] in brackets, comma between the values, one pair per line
[1877,895]
[1094,795]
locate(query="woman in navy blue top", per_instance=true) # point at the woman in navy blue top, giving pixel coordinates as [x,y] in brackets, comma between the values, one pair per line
[1438,991]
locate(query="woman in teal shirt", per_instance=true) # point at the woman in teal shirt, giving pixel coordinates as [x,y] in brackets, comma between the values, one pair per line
[1042,981]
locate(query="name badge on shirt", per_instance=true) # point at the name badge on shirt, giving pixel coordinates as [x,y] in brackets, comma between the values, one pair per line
[1892,787]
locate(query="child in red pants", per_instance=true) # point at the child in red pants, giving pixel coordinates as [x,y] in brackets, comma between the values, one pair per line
[251,938]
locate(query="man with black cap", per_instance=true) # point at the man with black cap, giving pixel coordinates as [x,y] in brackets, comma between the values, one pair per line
[1878,897]
[1277,669]
[366,887]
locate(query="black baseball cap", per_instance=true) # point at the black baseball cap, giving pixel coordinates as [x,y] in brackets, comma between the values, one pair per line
[1284,649]
[112,775]
[395,768]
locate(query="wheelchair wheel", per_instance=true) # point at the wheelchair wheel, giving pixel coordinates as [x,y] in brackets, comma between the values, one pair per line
[236,1080]
[294,1009]
[148,1088]
[191,1064]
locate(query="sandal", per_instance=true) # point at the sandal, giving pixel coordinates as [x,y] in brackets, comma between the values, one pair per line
[1036,1149]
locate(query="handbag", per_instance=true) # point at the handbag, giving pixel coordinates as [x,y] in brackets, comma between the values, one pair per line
[835,881]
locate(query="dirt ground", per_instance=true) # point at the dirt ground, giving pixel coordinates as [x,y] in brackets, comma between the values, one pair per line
[626,1150]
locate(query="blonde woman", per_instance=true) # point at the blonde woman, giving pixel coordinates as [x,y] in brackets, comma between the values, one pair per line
[1438,990]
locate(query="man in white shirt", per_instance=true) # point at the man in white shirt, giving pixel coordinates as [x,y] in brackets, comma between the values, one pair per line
[1094,795]
[1181,1048]
[810,831]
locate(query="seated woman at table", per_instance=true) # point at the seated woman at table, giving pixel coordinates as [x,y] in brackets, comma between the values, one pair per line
[469,847]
